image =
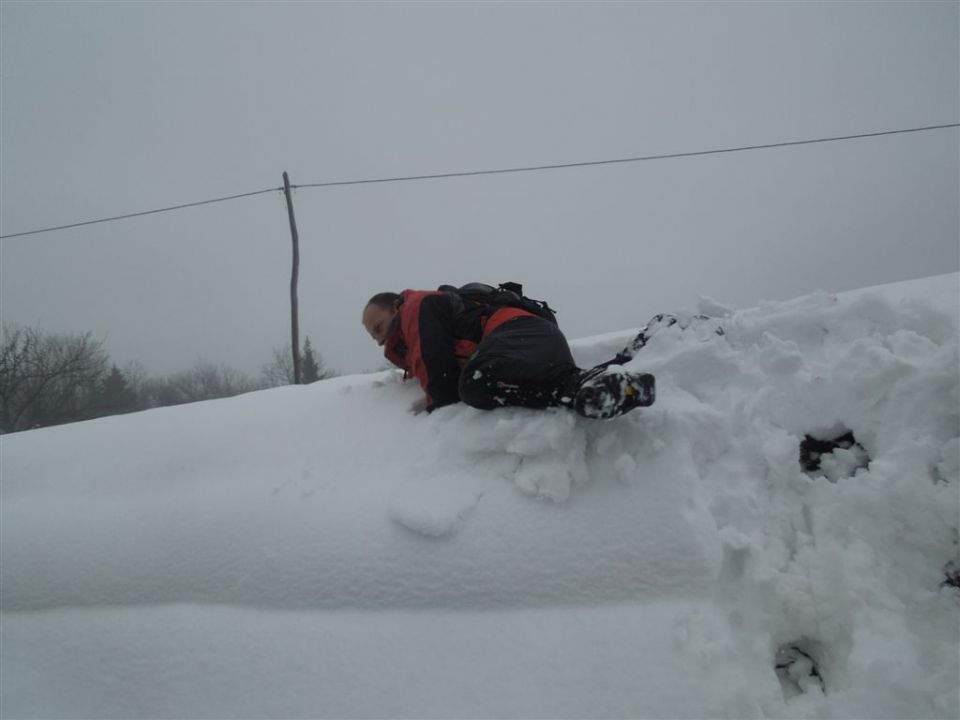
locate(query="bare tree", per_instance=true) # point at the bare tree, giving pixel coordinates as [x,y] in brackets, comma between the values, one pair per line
[136,375]
[204,381]
[280,370]
[46,378]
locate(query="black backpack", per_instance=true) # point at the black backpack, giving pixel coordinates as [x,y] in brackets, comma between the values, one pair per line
[509,294]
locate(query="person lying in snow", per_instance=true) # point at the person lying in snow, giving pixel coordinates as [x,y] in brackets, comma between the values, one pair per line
[461,348]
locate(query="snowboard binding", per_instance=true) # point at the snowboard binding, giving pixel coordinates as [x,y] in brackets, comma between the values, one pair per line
[658,323]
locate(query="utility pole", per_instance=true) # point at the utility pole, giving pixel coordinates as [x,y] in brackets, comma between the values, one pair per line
[294,322]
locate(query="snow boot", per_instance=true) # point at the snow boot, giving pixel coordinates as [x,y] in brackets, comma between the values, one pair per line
[607,391]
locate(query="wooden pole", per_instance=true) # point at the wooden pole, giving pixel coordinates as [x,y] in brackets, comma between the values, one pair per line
[294,322]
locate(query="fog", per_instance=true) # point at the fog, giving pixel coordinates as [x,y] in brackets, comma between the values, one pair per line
[113,108]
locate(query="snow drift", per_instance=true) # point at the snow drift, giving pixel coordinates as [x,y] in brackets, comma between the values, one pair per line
[679,561]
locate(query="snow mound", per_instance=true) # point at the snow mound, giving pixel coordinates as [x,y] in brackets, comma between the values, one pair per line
[777,529]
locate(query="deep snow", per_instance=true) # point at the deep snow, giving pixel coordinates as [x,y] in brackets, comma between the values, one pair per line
[325,551]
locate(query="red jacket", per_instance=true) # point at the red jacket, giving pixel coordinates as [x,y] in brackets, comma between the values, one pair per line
[433,336]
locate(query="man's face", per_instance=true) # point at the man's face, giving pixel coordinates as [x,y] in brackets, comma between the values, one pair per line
[377,322]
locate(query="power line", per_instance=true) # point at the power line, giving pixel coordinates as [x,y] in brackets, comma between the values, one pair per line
[666,156]
[627,160]
[139,214]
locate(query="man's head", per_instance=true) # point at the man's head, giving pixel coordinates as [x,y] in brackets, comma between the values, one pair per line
[379,314]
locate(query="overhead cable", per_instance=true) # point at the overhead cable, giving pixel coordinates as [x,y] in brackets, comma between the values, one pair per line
[139,214]
[532,168]
[625,160]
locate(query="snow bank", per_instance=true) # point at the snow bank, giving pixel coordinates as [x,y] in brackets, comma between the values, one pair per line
[514,563]
[284,499]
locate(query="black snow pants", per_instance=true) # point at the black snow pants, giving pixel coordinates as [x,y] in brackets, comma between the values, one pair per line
[525,362]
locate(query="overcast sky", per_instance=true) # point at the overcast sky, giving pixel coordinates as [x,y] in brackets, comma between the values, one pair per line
[110,108]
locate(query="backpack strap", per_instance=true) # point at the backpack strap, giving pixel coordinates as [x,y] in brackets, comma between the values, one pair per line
[489,299]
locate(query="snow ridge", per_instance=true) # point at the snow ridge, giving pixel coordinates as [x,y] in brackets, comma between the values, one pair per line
[692,522]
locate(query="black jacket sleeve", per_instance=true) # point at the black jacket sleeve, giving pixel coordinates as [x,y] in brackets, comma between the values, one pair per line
[437,340]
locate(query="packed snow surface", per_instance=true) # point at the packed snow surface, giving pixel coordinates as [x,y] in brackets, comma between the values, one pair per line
[328,551]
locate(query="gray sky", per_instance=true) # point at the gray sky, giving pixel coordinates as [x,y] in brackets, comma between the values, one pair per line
[109,108]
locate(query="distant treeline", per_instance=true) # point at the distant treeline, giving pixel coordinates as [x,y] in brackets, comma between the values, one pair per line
[51,379]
